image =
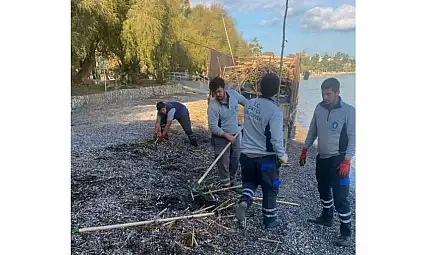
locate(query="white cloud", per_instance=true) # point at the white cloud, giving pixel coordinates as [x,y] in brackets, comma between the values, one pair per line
[275,6]
[342,18]
[271,22]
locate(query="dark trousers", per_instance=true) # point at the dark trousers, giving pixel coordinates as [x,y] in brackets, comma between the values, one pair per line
[228,163]
[184,121]
[263,171]
[328,179]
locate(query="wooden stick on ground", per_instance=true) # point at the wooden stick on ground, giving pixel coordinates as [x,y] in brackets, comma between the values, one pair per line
[133,224]
[203,209]
[227,216]
[231,204]
[278,201]
[160,213]
[276,248]
[221,205]
[268,240]
[214,191]
[194,240]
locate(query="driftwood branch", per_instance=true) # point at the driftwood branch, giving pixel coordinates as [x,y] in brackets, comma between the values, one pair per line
[160,213]
[268,240]
[133,224]
[202,209]
[278,201]
[218,190]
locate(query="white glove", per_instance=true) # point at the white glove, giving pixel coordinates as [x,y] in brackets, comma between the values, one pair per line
[283,159]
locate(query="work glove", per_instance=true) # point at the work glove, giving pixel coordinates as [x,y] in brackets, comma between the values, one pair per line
[344,167]
[302,158]
[161,137]
[283,159]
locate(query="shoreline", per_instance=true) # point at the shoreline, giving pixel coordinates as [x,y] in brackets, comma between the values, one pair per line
[328,74]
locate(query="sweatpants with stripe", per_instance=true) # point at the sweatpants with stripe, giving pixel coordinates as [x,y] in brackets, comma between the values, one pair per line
[184,121]
[263,171]
[328,179]
[228,163]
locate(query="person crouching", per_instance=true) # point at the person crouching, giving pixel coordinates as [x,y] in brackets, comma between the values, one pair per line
[169,111]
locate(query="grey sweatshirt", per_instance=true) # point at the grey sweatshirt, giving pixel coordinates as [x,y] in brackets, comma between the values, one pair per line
[224,117]
[263,128]
[335,130]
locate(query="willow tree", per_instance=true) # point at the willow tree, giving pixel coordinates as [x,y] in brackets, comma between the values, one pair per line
[206,28]
[90,23]
[149,33]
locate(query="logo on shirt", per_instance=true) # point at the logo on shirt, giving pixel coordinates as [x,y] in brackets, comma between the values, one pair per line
[236,108]
[334,125]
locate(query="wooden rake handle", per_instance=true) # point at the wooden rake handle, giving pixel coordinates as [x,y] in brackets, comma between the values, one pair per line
[217,159]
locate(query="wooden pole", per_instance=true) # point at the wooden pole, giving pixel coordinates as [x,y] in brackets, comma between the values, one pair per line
[282,49]
[230,49]
[133,224]
[220,69]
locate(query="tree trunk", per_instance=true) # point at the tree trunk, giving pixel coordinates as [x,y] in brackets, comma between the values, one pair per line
[86,66]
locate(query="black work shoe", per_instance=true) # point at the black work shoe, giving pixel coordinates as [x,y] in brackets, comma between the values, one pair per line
[270,224]
[193,142]
[343,241]
[240,212]
[322,221]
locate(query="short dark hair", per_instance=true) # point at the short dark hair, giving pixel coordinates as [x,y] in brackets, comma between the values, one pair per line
[269,85]
[331,83]
[215,83]
[160,105]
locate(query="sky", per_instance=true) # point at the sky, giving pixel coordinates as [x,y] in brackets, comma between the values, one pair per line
[318,26]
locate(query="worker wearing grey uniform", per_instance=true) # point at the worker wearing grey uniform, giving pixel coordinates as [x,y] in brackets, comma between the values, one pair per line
[262,151]
[223,124]
[333,124]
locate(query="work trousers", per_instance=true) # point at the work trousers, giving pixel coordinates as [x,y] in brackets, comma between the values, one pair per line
[228,163]
[263,171]
[328,179]
[184,121]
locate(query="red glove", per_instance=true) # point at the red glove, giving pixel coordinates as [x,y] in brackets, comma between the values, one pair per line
[161,137]
[302,158]
[344,167]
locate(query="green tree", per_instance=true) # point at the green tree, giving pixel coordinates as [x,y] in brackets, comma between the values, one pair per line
[255,46]
[268,53]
